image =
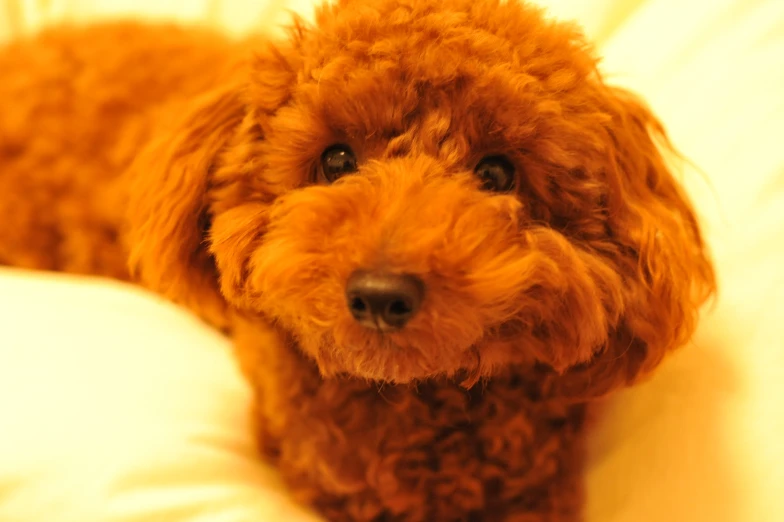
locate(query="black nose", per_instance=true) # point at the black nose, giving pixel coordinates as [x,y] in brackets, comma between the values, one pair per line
[384,301]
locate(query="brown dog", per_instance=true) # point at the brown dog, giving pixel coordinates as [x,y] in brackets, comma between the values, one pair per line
[434,232]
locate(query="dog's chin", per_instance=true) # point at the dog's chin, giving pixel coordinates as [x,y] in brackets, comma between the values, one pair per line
[398,367]
[388,357]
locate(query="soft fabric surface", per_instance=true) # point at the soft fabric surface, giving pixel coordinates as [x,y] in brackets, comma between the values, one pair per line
[116,406]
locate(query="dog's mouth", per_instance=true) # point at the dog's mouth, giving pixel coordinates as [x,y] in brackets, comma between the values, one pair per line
[415,353]
[384,353]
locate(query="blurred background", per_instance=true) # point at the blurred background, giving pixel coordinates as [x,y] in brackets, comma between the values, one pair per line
[239,16]
[703,440]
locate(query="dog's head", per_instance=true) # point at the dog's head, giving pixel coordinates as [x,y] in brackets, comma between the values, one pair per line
[418,188]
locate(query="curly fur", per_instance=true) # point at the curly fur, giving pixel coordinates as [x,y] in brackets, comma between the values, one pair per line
[185,161]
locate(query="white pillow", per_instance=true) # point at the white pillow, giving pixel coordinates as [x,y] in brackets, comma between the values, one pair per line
[116,406]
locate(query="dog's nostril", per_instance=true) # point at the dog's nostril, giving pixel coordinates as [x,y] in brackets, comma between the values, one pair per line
[358,305]
[399,308]
[384,301]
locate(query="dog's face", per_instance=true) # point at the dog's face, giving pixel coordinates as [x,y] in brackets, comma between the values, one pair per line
[416,188]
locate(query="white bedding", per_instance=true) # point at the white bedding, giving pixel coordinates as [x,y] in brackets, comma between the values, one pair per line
[115,406]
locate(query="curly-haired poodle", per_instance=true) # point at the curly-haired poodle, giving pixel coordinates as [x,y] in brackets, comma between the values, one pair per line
[434,232]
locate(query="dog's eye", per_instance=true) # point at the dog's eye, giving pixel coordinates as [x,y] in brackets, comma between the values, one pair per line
[496,173]
[337,161]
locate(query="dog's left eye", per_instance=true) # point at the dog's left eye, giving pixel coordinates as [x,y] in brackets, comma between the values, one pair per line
[496,173]
[337,161]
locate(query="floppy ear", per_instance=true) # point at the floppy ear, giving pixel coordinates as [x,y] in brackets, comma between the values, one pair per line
[204,162]
[167,215]
[659,251]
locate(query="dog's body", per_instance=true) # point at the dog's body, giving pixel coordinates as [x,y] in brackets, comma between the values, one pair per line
[188,159]
[77,107]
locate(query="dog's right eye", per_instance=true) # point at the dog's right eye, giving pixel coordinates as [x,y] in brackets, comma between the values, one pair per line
[337,161]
